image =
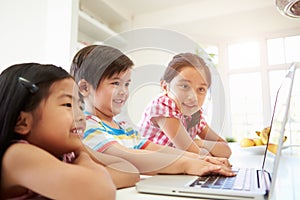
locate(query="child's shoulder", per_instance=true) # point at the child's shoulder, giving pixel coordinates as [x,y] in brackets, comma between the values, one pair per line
[21,153]
[20,149]
[126,125]
[164,102]
[162,99]
[91,117]
[18,160]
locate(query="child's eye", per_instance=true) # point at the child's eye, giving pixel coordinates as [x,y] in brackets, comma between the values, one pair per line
[68,105]
[115,83]
[81,106]
[184,86]
[127,84]
[202,90]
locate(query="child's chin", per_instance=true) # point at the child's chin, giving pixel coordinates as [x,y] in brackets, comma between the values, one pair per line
[189,113]
[117,111]
[77,136]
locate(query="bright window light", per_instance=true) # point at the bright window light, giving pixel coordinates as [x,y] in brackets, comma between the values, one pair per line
[246,104]
[243,55]
[292,47]
[276,53]
[283,50]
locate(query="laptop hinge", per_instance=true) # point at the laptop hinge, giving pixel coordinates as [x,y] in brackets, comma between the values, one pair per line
[264,181]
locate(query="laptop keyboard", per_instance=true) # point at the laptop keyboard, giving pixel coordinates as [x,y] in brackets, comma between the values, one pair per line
[242,181]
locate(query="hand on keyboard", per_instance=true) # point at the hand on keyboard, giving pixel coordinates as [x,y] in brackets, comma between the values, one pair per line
[201,167]
[217,161]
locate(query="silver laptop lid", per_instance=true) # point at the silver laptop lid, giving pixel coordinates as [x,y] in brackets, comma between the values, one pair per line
[277,126]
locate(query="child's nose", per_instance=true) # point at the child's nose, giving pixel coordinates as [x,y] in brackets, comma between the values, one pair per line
[78,115]
[192,95]
[122,90]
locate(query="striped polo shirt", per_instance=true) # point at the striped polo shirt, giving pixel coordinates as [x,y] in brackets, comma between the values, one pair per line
[99,136]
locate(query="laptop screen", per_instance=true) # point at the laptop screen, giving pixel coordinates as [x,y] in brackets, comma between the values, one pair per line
[278,123]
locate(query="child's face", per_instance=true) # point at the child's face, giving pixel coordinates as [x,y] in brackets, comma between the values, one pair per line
[58,122]
[188,89]
[112,93]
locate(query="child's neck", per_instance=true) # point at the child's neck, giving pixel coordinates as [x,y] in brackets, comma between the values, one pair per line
[107,119]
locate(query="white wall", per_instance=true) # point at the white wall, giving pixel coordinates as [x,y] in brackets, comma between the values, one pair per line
[42,31]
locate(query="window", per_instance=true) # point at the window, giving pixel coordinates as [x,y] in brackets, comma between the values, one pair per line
[246,100]
[253,84]
[283,50]
[276,77]
[243,55]
[292,49]
[293,125]
[276,53]
[246,104]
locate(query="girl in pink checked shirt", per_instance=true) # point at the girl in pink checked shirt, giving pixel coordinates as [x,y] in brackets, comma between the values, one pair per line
[175,118]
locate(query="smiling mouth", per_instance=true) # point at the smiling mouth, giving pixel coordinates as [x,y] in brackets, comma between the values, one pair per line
[78,131]
[118,101]
[189,106]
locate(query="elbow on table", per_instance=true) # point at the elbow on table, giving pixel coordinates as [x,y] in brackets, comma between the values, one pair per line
[109,194]
[128,181]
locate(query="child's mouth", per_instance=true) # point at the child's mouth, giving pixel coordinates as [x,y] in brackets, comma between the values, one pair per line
[189,106]
[118,101]
[78,131]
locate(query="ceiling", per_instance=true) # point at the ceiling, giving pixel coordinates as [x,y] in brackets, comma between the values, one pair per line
[205,20]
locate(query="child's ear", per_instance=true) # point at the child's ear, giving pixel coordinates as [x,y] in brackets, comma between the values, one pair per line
[164,86]
[84,87]
[24,123]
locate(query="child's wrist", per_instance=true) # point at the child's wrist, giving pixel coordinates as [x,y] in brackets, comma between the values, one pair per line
[199,142]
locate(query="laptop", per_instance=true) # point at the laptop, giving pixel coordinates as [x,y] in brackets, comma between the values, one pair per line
[248,183]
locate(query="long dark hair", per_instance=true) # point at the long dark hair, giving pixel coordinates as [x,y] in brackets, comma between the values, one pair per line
[96,62]
[22,88]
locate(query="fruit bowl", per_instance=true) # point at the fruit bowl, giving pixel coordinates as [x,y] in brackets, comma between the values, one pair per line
[259,150]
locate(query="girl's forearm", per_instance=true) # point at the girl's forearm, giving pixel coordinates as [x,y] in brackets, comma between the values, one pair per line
[149,162]
[218,149]
[170,150]
[123,173]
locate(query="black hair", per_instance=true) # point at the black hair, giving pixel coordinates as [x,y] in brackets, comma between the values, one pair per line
[97,62]
[182,60]
[22,88]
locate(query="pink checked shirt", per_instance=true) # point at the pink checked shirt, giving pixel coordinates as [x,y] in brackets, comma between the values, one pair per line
[164,106]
